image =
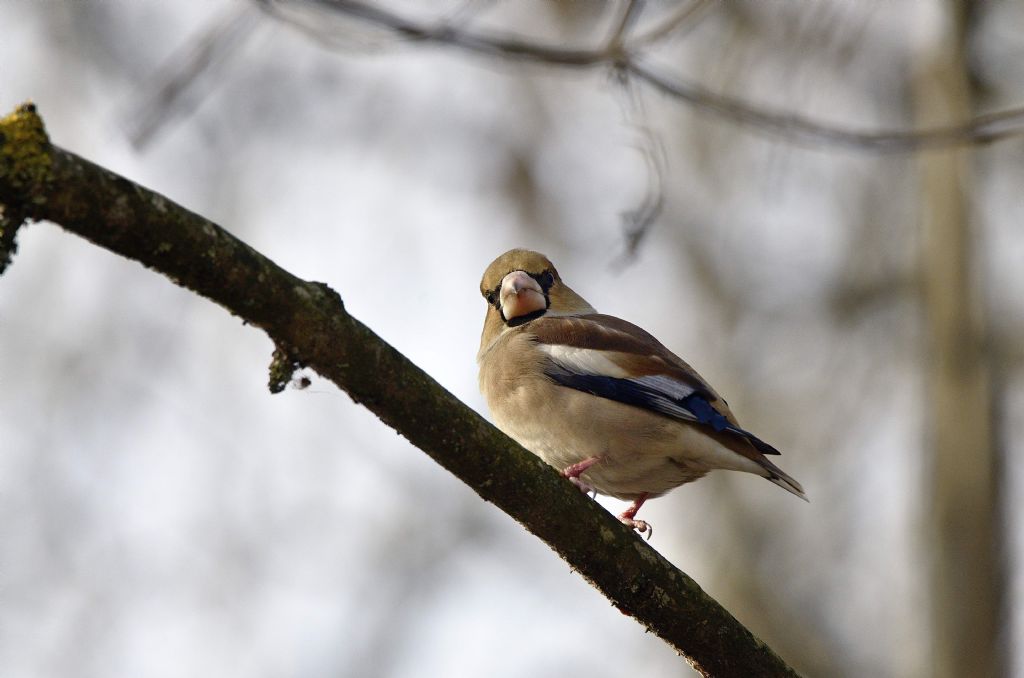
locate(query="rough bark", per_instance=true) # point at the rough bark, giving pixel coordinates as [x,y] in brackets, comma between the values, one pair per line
[309,326]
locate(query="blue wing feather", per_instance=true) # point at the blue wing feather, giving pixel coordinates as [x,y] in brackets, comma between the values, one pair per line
[695,407]
[705,414]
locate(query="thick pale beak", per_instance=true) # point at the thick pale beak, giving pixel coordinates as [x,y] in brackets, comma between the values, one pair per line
[520,295]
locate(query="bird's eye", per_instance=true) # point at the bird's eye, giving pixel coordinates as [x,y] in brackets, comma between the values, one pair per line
[545,279]
[492,297]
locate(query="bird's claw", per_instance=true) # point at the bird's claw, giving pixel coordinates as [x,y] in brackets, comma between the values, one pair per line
[573,472]
[584,488]
[641,526]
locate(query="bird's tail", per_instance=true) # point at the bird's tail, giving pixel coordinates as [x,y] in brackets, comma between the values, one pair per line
[780,478]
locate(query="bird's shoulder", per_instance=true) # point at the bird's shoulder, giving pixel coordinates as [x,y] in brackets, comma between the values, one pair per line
[632,348]
[606,344]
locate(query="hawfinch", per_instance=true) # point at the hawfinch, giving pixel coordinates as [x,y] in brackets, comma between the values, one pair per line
[599,398]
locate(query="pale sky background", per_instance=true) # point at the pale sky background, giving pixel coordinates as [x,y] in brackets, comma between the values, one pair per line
[161,514]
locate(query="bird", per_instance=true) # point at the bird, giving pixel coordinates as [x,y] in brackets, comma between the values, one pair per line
[600,399]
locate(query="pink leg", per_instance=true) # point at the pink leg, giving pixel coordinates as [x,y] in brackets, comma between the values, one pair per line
[638,525]
[573,474]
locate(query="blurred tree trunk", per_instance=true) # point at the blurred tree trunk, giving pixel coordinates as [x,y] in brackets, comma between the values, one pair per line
[966,583]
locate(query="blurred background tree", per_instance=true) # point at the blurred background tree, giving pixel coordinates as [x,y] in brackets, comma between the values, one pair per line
[720,182]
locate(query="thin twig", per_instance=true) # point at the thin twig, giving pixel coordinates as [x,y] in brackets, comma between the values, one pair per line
[638,221]
[629,16]
[978,130]
[211,49]
[465,12]
[685,15]
[446,34]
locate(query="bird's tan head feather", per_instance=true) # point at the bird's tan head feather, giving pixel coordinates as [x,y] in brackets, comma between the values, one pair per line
[527,261]
[544,287]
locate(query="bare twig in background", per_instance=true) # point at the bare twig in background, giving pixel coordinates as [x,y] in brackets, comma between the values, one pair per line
[981,129]
[978,130]
[445,34]
[211,50]
[623,52]
[629,16]
[681,18]
[467,11]
[309,325]
[638,221]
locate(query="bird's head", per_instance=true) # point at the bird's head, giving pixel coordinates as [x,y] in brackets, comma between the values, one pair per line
[521,285]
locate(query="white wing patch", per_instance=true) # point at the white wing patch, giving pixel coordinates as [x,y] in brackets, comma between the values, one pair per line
[583,360]
[662,383]
[661,387]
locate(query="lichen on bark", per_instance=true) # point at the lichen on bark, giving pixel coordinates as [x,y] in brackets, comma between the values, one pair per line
[25,160]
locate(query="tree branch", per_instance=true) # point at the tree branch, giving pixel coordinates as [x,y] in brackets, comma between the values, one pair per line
[684,15]
[447,34]
[978,130]
[624,53]
[630,12]
[202,57]
[309,326]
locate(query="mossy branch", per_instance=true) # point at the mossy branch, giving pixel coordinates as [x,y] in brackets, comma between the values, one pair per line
[308,325]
